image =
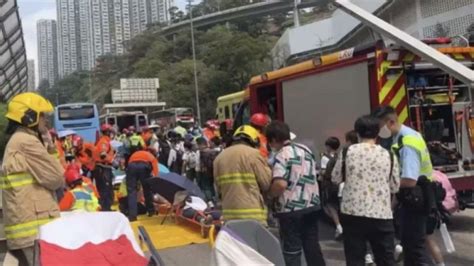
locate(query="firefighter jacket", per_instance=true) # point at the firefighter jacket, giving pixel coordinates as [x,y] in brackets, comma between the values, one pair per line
[241,176]
[104,153]
[31,176]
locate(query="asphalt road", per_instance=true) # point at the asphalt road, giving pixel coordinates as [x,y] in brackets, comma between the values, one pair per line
[461,229]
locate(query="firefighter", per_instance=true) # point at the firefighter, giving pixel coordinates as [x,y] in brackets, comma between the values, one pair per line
[102,174]
[84,153]
[259,121]
[80,196]
[241,175]
[416,171]
[31,175]
[142,165]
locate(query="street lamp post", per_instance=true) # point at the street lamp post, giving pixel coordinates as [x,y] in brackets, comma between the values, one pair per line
[196,87]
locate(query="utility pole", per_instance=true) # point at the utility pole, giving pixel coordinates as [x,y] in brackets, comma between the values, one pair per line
[196,88]
[296,15]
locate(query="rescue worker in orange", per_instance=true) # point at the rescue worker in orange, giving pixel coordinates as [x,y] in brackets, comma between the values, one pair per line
[142,165]
[31,175]
[84,153]
[80,196]
[260,121]
[209,131]
[102,174]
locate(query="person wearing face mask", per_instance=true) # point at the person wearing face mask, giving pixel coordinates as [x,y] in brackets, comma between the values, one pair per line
[31,174]
[416,171]
[296,189]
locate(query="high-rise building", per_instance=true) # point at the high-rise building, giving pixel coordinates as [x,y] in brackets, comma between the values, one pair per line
[31,75]
[88,29]
[159,10]
[47,50]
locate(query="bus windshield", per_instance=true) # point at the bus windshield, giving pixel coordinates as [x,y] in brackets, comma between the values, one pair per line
[76,112]
[83,118]
[184,112]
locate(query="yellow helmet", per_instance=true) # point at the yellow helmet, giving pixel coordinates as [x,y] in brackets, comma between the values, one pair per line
[249,133]
[25,108]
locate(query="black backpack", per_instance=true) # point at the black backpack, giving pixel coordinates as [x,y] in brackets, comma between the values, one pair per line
[164,152]
[206,159]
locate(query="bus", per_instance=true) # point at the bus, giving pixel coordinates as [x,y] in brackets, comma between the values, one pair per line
[228,105]
[170,117]
[83,118]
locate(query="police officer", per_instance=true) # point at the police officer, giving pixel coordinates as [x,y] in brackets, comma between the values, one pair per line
[416,170]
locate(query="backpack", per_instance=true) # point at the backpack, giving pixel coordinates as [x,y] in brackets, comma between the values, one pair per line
[164,152]
[206,161]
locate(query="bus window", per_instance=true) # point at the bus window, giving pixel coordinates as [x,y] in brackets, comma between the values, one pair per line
[141,121]
[226,112]
[242,116]
[82,118]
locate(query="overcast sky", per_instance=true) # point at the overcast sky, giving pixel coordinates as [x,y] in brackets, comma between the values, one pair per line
[33,10]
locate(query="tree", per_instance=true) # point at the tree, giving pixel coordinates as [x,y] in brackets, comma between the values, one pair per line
[44,87]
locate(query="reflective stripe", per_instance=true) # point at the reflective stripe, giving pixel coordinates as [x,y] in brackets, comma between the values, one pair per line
[16,180]
[84,200]
[417,143]
[27,229]
[258,214]
[237,178]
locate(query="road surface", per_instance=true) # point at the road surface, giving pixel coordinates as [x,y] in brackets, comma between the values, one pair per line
[461,229]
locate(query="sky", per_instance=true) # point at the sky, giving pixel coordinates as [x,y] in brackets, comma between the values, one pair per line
[33,10]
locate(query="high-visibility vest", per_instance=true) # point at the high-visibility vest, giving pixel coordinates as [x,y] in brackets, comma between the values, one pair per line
[84,199]
[28,228]
[136,141]
[417,143]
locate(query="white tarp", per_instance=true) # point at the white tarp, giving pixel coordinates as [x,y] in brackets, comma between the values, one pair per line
[74,229]
[230,251]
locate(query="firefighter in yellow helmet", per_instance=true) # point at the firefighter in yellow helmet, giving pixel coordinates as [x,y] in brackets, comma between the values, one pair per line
[241,176]
[30,175]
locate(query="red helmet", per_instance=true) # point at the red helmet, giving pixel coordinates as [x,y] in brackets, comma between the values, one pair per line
[131,129]
[77,141]
[72,174]
[105,127]
[259,119]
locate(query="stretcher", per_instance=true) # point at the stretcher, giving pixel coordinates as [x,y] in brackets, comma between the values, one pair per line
[204,228]
[78,234]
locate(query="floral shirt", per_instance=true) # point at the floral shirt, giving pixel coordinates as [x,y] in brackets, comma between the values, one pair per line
[368,186]
[295,164]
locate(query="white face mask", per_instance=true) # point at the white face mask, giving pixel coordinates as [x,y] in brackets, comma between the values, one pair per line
[385,133]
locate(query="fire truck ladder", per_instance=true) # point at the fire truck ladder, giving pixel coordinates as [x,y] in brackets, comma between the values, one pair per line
[446,63]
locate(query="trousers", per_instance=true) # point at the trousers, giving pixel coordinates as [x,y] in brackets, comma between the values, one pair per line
[103,177]
[413,237]
[301,233]
[378,232]
[138,172]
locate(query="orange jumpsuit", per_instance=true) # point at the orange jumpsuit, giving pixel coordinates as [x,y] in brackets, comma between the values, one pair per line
[103,147]
[263,145]
[145,156]
[86,156]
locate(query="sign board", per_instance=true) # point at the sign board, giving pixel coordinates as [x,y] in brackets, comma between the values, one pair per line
[134,95]
[153,83]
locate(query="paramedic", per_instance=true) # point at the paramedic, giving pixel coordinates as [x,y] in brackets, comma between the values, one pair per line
[102,174]
[31,175]
[80,196]
[142,165]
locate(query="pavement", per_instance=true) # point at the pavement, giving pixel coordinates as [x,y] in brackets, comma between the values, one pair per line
[461,229]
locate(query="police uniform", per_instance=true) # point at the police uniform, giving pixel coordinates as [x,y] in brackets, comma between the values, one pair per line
[415,162]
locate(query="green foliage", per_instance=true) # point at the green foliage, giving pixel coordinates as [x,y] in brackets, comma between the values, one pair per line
[226,58]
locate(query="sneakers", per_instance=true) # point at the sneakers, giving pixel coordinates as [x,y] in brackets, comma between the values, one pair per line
[398,253]
[369,259]
[338,233]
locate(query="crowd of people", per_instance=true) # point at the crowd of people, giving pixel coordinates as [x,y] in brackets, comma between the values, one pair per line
[374,194]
